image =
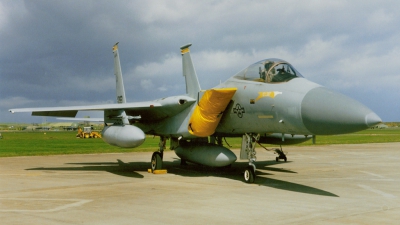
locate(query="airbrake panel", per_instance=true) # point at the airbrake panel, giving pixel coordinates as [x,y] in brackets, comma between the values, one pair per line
[209,111]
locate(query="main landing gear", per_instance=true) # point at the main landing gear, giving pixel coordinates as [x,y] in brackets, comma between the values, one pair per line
[156,161]
[281,154]
[157,157]
[279,151]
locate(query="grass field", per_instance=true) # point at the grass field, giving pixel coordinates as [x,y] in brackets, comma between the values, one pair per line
[56,143]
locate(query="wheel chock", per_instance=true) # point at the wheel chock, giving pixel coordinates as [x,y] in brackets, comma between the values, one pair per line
[157,171]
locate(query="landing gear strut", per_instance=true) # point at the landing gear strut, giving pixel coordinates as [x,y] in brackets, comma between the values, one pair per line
[157,157]
[249,141]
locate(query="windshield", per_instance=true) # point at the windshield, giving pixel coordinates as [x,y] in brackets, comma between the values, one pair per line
[269,71]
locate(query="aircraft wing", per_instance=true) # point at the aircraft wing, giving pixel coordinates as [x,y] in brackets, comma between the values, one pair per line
[71,111]
[148,111]
[81,119]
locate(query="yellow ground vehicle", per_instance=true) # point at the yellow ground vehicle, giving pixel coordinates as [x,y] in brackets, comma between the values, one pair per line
[87,133]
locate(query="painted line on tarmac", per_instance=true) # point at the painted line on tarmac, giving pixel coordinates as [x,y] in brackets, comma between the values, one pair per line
[384,194]
[304,156]
[373,174]
[19,201]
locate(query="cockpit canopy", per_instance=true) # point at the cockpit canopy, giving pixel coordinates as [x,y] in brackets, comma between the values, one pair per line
[269,71]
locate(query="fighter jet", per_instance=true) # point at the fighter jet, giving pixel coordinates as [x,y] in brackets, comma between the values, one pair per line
[267,102]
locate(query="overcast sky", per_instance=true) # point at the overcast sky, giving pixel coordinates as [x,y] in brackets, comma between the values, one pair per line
[59,53]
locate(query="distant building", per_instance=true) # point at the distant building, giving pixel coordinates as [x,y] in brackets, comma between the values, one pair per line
[381,126]
[42,128]
[69,128]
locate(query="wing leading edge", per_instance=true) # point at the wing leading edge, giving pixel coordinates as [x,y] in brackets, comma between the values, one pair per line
[150,110]
[71,111]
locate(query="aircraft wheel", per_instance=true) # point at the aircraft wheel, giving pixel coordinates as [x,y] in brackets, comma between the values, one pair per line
[249,175]
[156,161]
[277,159]
[285,159]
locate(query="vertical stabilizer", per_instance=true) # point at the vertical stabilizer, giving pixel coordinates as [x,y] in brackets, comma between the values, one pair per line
[192,83]
[118,76]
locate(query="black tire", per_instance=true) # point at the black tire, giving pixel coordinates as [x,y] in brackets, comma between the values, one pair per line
[285,159]
[156,161]
[249,175]
[277,159]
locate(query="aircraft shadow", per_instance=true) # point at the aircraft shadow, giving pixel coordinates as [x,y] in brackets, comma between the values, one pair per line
[118,168]
[290,186]
[234,172]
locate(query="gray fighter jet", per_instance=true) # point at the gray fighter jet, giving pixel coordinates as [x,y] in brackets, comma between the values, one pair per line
[267,102]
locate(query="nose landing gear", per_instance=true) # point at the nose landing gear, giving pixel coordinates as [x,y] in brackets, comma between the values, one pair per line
[248,152]
[249,174]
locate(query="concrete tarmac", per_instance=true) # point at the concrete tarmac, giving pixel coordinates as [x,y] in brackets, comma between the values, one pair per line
[337,184]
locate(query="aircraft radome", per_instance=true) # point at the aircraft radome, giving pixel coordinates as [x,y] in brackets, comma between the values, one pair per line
[267,102]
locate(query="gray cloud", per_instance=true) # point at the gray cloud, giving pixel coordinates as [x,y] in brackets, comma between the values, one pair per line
[59,52]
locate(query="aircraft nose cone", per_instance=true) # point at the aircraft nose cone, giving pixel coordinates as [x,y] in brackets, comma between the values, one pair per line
[325,112]
[372,119]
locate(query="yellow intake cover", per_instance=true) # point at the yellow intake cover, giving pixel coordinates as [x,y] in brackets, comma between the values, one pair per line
[208,112]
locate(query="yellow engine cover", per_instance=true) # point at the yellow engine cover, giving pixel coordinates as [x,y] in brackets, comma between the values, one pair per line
[208,112]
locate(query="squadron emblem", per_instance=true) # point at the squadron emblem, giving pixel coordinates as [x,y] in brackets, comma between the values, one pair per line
[239,110]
